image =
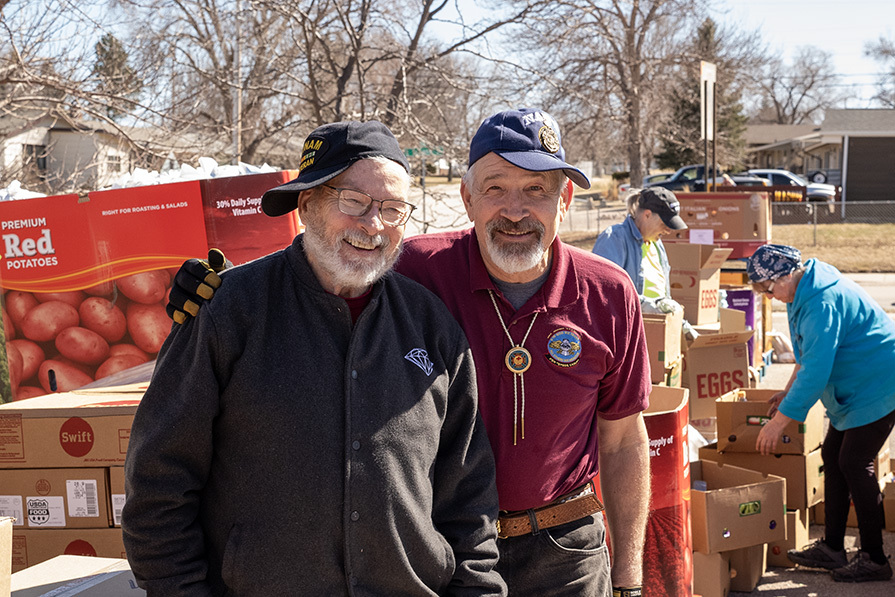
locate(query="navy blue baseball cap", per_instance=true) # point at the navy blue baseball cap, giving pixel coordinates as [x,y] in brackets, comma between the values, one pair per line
[527,138]
[327,152]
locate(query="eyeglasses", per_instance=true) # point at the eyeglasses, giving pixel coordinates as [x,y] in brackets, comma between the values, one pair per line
[769,290]
[355,203]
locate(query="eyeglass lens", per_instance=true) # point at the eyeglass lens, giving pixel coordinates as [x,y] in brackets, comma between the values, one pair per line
[391,211]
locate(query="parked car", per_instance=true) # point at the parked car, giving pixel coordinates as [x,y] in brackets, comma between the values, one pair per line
[647,181]
[815,191]
[750,180]
[691,178]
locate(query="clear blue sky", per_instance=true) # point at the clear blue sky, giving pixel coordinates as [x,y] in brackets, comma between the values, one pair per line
[841,27]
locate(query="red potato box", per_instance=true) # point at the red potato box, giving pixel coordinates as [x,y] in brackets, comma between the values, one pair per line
[667,562]
[86,280]
[55,498]
[83,428]
[804,473]
[663,342]
[734,507]
[742,412]
[31,547]
[695,279]
[740,222]
[116,491]
[77,575]
[797,537]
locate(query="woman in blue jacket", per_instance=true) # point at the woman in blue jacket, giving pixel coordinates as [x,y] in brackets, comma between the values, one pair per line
[844,345]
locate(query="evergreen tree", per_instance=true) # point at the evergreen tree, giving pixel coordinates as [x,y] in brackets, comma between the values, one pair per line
[680,135]
[116,81]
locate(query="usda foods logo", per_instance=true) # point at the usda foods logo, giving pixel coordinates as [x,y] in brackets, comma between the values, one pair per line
[38,511]
[76,437]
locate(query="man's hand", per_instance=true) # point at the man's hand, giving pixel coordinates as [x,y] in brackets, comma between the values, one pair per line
[195,283]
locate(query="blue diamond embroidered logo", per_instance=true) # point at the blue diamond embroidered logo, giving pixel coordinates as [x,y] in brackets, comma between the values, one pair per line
[420,358]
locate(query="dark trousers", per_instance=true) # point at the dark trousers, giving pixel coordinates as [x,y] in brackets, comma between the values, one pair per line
[848,458]
[567,560]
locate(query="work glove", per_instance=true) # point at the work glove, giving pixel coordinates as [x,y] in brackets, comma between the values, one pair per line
[195,283]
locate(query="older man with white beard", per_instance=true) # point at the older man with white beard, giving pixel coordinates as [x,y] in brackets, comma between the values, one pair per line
[560,356]
[314,430]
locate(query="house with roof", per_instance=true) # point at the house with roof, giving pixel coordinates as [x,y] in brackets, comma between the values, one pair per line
[854,148]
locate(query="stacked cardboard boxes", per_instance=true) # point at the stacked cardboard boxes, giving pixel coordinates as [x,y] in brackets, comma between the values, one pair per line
[740,222]
[663,342]
[735,513]
[741,414]
[59,457]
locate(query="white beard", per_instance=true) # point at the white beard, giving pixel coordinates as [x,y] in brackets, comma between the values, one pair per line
[345,271]
[515,258]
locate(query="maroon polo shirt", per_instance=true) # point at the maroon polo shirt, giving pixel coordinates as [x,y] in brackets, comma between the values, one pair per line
[588,359]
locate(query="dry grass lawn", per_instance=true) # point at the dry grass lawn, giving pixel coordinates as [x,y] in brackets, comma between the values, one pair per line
[849,247]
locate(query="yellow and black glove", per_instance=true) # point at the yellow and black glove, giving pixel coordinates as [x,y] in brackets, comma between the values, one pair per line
[194,283]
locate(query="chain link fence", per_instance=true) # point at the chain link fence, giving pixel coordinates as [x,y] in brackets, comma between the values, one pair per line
[594,216]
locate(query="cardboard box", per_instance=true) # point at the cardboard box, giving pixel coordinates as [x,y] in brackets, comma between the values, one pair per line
[77,575]
[671,377]
[30,547]
[747,566]
[667,560]
[55,498]
[116,491]
[83,428]
[797,537]
[5,555]
[804,474]
[711,574]
[663,341]
[740,222]
[738,507]
[117,249]
[695,278]
[889,505]
[742,412]
[714,364]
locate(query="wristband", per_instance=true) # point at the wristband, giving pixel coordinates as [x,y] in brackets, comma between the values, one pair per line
[627,591]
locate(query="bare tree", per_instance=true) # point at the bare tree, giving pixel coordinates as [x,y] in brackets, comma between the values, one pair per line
[883,51]
[611,60]
[800,92]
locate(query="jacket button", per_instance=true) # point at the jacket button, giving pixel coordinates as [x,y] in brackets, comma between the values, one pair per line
[354,374]
[355,516]
[355,444]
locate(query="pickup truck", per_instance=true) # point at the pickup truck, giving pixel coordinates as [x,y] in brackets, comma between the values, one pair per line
[691,178]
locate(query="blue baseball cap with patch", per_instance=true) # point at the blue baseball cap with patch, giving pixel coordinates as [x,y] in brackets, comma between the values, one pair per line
[527,138]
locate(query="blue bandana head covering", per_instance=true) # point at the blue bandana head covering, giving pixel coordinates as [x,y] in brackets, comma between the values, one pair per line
[770,262]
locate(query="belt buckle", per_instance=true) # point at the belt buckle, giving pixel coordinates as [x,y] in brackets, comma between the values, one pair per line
[500,534]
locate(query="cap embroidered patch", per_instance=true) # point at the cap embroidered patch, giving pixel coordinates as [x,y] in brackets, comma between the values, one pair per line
[314,147]
[549,140]
[564,347]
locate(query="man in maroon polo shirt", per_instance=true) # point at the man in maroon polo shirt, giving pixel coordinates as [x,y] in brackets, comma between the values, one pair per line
[561,364]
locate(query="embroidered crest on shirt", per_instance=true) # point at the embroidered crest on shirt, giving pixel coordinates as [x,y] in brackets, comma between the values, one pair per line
[564,347]
[420,358]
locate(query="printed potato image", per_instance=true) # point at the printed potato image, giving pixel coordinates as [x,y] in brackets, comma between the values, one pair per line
[84,335]
[44,322]
[67,375]
[32,356]
[145,287]
[148,325]
[82,345]
[102,316]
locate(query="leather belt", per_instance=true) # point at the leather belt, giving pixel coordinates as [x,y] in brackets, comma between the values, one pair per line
[573,506]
